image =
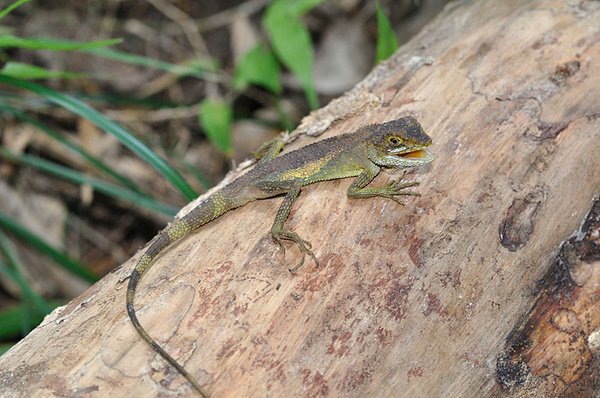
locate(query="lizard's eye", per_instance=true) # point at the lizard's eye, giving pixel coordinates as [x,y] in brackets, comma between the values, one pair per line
[392,139]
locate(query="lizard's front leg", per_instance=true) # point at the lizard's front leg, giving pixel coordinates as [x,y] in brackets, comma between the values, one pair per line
[395,188]
[280,233]
[269,150]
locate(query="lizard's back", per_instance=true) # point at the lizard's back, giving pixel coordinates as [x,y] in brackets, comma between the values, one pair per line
[286,164]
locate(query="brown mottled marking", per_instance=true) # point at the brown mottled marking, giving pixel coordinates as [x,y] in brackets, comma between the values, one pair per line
[517,226]
[564,71]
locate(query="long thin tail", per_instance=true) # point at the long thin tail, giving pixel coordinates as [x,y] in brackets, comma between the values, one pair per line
[204,213]
[133,282]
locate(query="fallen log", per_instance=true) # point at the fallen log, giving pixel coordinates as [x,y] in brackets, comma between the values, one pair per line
[486,285]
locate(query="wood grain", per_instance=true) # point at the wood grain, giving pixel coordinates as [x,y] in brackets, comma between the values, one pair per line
[426,300]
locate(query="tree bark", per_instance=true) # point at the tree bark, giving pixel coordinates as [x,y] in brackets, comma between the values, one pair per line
[464,292]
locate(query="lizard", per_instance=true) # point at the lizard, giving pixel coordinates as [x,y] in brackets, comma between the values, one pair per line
[396,144]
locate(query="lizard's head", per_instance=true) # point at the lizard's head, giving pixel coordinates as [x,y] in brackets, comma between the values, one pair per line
[399,143]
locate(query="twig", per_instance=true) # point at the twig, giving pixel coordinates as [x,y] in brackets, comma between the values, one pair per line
[155,116]
[225,17]
[187,24]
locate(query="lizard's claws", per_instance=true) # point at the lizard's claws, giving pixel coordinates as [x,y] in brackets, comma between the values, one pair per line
[303,245]
[280,243]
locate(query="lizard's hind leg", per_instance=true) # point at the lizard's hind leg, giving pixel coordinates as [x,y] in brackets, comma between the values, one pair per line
[280,233]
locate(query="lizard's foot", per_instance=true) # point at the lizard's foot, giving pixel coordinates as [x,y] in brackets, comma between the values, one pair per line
[279,241]
[397,188]
[303,245]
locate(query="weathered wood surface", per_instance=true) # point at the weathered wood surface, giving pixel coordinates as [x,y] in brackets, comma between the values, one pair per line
[440,298]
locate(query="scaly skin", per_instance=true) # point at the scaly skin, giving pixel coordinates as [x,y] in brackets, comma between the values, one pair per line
[398,143]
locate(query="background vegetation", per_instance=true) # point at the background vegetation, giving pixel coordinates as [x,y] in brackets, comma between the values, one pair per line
[113,114]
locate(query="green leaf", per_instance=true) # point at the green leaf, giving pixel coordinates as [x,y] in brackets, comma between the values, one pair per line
[39,244]
[11,7]
[10,41]
[291,41]
[258,66]
[124,100]
[106,124]
[29,72]
[215,119]
[387,43]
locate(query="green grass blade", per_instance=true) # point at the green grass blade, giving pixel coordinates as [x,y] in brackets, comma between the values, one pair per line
[10,322]
[203,180]
[10,41]
[92,160]
[40,245]
[20,70]
[104,123]
[28,315]
[11,270]
[11,319]
[4,347]
[120,100]
[199,69]
[11,7]
[24,287]
[29,310]
[99,185]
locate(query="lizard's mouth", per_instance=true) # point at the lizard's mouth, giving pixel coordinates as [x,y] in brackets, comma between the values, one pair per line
[407,157]
[418,154]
